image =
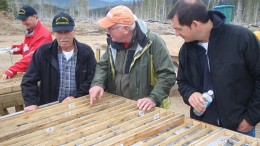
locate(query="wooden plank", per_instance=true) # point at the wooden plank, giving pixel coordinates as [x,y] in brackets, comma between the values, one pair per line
[227,137]
[35,119]
[14,99]
[65,128]
[135,135]
[100,48]
[11,99]
[11,85]
[10,95]
[98,125]
[123,129]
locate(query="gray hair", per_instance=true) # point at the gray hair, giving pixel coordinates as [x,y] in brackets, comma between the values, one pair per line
[131,27]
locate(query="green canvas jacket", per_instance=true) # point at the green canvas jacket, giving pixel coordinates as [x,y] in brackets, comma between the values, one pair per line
[151,71]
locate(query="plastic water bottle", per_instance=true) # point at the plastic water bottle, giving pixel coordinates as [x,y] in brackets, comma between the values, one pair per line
[208,98]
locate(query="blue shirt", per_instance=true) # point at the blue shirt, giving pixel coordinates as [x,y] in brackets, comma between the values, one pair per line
[67,75]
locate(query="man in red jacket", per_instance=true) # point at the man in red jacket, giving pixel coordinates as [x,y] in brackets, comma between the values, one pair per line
[36,35]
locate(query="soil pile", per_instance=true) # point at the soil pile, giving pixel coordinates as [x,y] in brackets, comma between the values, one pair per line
[9,25]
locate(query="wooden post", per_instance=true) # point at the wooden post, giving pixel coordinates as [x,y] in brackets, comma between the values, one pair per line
[99,48]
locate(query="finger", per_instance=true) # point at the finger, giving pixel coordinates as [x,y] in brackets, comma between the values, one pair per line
[3,77]
[92,100]
[101,93]
[142,104]
[145,107]
[27,110]
[192,104]
[138,103]
[92,93]
[150,107]
[92,97]
[65,100]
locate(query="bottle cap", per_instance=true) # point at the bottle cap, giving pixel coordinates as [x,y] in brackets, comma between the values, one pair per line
[210,92]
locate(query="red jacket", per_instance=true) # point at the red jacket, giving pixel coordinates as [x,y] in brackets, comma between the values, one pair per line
[39,36]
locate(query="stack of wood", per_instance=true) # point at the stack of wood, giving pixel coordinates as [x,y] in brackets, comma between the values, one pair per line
[113,120]
[10,94]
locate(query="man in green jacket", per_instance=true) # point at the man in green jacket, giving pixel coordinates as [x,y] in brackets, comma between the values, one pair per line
[136,65]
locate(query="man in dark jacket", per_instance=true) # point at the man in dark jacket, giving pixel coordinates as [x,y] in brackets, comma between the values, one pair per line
[65,67]
[220,57]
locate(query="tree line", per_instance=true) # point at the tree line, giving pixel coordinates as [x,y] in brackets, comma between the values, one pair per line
[244,12]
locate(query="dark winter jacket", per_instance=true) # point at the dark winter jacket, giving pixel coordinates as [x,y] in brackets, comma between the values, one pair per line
[44,67]
[234,59]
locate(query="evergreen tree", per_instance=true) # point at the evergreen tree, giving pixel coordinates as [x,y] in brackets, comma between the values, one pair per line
[3,5]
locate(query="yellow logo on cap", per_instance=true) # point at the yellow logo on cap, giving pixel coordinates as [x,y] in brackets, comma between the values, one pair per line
[22,12]
[62,20]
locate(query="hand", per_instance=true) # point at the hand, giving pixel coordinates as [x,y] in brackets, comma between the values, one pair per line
[30,108]
[94,92]
[14,48]
[68,99]
[197,102]
[244,126]
[4,77]
[145,104]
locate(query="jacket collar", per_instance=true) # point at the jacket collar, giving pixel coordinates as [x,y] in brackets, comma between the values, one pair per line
[35,29]
[217,18]
[52,53]
[141,33]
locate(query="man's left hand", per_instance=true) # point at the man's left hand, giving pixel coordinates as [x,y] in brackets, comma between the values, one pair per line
[68,99]
[145,104]
[244,126]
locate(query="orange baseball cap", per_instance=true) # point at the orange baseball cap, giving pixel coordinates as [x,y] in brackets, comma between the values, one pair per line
[117,15]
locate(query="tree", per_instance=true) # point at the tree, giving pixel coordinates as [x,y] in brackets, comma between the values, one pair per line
[239,13]
[83,11]
[255,12]
[71,9]
[249,5]
[3,5]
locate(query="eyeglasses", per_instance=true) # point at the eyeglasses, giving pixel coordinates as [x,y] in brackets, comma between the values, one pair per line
[111,29]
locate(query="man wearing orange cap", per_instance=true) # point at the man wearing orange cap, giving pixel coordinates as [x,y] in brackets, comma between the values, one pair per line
[136,65]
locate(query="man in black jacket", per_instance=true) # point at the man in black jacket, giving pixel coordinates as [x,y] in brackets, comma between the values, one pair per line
[220,57]
[65,67]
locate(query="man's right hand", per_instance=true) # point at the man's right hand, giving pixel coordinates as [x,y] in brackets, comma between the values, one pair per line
[13,49]
[30,108]
[4,77]
[197,102]
[95,93]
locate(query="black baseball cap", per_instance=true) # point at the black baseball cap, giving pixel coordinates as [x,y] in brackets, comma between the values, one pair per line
[62,21]
[25,12]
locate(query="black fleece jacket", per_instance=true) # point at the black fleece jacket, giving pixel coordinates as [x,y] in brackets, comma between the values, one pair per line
[234,59]
[44,68]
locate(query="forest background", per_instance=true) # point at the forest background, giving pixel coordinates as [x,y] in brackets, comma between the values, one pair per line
[245,12]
